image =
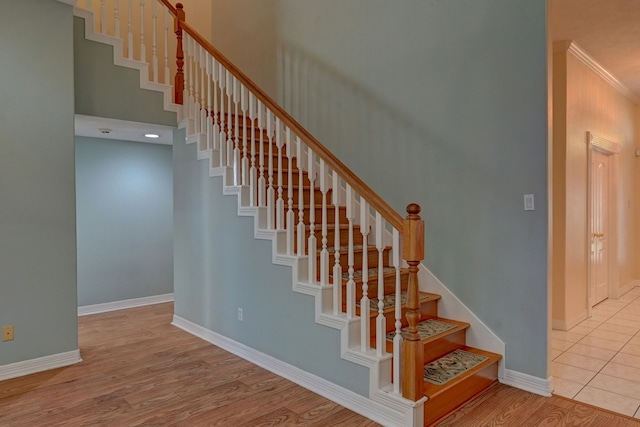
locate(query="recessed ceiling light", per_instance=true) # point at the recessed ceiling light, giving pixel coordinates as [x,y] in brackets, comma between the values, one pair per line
[152,135]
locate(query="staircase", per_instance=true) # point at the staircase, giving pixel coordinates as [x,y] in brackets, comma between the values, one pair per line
[347,247]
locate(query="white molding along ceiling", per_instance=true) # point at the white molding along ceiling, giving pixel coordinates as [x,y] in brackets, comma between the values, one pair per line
[123,130]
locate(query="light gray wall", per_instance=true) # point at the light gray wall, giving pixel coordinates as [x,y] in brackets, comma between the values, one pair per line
[37,189]
[103,89]
[443,103]
[124,205]
[219,267]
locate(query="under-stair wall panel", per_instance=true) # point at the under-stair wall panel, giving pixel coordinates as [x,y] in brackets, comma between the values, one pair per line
[214,249]
[443,104]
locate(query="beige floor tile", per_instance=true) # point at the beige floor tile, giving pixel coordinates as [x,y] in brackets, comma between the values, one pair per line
[610,335]
[621,371]
[581,330]
[601,343]
[566,388]
[557,344]
[571,373]
[627,359]
[631,349]
[626,330]
[594,352]
[624,322]
[580,361]
[616,385]
[567,336]
[590,323]
[607,400]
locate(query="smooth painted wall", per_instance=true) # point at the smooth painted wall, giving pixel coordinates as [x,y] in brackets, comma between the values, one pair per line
[585,102]
[219,267]
[124,205]
[37,186]
[439,103]
[103,89]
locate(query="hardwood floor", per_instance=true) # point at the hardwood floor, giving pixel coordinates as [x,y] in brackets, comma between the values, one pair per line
[140,370]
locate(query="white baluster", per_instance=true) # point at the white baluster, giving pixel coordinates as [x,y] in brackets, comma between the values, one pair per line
[154,46]
[312,250]
[209,115]
[253,176]
[337,268]
[262,182]
[365,309]
[129,33]
[167,73]
[351,284]
[185,90]
[215,114]
[324,252]
[103,17]
[116,18]
[237,180]
[143,52]
[229,89]
[381,321]
[290,215]
[222,139]
[301,169]
[397,339]
[271,195]
[280,199]
[203,90]
[193,50]
[245,155]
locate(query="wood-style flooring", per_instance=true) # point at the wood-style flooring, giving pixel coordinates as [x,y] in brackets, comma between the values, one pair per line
[138,370]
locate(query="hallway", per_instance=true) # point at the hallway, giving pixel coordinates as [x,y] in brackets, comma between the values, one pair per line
[598,361]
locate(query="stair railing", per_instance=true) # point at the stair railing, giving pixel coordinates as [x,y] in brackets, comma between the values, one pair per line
[290,176]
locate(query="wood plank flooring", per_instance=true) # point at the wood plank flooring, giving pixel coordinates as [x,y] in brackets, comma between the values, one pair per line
[139,370]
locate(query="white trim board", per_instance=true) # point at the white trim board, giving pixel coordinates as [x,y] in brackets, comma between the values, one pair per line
[124,304]
[347,398]
[40,364]
[527,382]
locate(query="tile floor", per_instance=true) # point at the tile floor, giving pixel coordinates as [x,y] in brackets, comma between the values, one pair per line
[598,361]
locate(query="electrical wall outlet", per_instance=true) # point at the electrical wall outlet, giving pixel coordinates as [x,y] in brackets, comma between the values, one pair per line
[240,314]
[7,333]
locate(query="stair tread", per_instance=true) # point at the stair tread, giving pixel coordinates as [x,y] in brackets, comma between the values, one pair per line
[455,327]
[432,390]
[373,272]
[356,248]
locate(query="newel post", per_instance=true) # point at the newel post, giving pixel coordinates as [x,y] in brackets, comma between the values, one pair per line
[179,79]
[412,349]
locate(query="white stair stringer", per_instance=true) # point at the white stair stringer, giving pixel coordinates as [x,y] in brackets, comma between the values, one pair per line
[408,413]
[121,60]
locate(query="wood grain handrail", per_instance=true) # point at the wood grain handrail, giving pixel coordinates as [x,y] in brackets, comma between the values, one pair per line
[390,214]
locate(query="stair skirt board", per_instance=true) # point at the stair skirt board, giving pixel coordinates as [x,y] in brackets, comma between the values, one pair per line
[40,364]
[124,304]
[375,411]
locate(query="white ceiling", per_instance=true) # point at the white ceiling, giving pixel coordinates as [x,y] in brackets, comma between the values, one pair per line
[122,130]
[608,30]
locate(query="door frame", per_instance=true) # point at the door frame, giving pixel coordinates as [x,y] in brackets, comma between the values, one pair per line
[611,149]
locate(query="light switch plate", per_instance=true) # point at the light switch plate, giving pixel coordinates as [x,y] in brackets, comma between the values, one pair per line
[528,202]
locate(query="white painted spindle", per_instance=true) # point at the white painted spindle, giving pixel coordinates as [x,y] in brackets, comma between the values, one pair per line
[365,308]
[154,46]
[229,89]
[253,176]
[129,32]
[116,19]
[337,268]
[262,182]
[397,339]
[143,52]
[237,180]
[290,214]
[222,139]
[209,114]
[324,252]
[280,200]
[167,73]
[103,17]
[203,89]
[351,284]
[271,196]
[245,155]
[301,168]
[381,321]
[312,250]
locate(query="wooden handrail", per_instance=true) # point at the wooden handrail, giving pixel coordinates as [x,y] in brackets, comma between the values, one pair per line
[390,214]
[169,6]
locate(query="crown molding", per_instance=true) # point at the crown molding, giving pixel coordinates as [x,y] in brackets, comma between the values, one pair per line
[573,48]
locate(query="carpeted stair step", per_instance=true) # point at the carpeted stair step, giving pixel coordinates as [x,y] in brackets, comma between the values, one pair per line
[453,379]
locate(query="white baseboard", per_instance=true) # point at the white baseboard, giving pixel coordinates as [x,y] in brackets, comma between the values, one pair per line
[347,398]
[565,325]
[121,305]
[527,382]
[32,366]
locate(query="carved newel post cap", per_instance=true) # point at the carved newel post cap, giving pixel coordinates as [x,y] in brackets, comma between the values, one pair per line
[413,209]
[179,6]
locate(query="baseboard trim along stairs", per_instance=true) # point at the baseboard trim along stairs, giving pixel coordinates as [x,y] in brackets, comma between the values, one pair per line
[222,140]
